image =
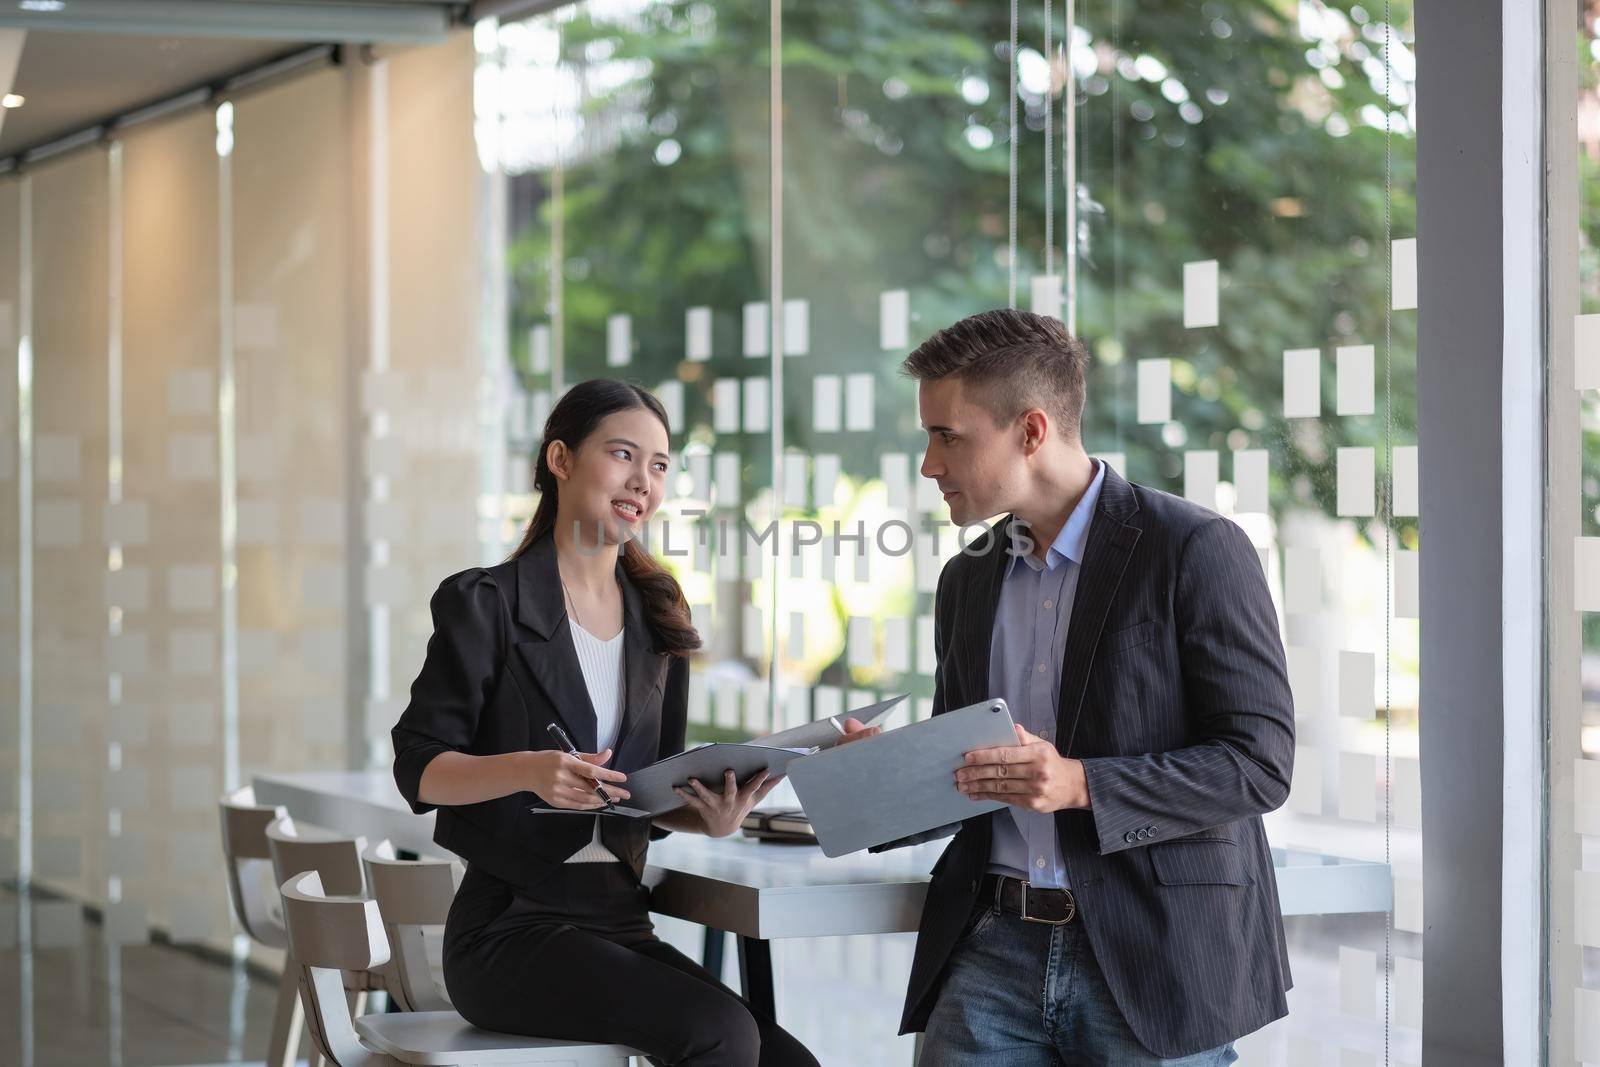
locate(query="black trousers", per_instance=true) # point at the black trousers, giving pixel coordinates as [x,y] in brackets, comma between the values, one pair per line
[576,958]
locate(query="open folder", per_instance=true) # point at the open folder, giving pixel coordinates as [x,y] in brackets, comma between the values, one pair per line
[651,788]
[885,788]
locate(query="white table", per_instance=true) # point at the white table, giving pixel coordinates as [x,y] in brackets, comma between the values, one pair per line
[759,891]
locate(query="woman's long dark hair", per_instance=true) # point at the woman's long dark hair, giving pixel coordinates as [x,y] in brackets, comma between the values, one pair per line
[571,421]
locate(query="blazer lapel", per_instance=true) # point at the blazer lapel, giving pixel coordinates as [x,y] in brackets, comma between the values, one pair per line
[642,662]
[1105,558]
[551,658]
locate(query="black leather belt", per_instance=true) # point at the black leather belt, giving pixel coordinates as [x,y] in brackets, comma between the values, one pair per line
[1013,896]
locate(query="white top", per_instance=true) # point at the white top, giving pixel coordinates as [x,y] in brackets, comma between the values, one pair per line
[601,662]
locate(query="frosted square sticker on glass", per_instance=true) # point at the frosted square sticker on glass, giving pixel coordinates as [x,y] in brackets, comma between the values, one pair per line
[858,392]
[725,405]
[1586,351]
[755,405]
[1407,585]
[57,457]
[191,457]
[927,654]
[1586,795]
[796,327]
[1357,678]
[797,635]
[671,396]
[192,587]
[895,470]
[1354,365]
[1403,269]
[1302,580]
[1357,792]
[1358,982]
[755,329]
[1405,480]
[1408,792]
[859,650]
[827,399]
[697,334]
[1155,391]
[58,523]
[1250,480]
[897,644]
[1200,293]
[1048,295]
[1357,481]
[1305,784]
[619,341]
[727,465]
[1586,906]
[894,319]
[794,479]
[1302,383]
[1200,477]
[825,478]
[539,349]
[1586,572]
[191,391]
[1305,678]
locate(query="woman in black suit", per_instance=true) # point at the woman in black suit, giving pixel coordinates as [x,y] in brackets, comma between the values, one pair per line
[550,932]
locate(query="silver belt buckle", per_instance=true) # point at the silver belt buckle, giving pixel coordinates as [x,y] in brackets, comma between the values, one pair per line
[1072,908]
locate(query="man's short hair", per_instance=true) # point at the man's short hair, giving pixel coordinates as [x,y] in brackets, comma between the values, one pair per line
[1010,361]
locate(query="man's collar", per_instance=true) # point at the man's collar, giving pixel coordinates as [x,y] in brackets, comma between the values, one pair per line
[1074,535]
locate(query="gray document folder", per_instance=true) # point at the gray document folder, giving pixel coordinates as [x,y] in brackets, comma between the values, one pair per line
[900,783]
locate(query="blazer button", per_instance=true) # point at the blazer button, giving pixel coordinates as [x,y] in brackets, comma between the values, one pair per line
[1130,837]
[1152,831]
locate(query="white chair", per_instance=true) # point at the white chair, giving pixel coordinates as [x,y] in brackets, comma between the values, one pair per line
[300,847]
[333,934]
[258,908]
[414,898]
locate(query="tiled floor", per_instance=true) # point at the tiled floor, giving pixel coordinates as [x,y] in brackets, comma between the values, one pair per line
[152,1004]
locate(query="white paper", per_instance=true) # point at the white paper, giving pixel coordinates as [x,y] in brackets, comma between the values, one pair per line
[1048,295]
[1250,480]
[1302,383]
[1405,480]
[1200,472]
[796,327]
[725,405]
[697,334]
[1200,293]
[1403,269]
[825,479]
[858,392]
[1302,580]
[57,457]
[1355,368]
[756,329]
[1155,391]
[894,320]
[1357,792]
[619,340]
[1357,481]
[1357,678]
[826,403]
[756,407]
[1407,585]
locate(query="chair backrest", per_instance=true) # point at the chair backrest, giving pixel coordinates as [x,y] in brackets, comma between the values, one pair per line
[329,935]
[248,856]
[299,847]
[412,896]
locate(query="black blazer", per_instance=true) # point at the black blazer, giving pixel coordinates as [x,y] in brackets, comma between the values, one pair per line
[1175,694]
[500,668]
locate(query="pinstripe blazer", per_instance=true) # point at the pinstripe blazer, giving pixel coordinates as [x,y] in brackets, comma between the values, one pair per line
[1175,695]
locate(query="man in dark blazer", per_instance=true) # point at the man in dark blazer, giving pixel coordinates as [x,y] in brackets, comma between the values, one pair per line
[1122,907]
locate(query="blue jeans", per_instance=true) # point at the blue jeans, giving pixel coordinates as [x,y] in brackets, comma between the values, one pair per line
[1024,994]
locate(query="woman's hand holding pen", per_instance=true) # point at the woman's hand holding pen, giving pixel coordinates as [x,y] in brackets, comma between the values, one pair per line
[565,780]
[722,813]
